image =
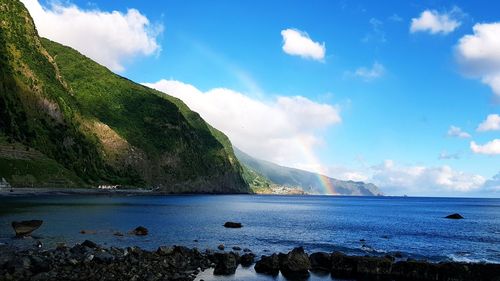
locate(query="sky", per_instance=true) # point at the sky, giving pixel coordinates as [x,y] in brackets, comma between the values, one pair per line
[403,94]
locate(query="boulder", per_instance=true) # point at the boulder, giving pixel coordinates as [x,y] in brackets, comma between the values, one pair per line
[295,264]
[25,228]
[320,261]
[247,260]
[268,265]
[221,247]
[231,224]
[343,265]
[226,263]
[236,248]
[89,244]
[140,231]
[454,216]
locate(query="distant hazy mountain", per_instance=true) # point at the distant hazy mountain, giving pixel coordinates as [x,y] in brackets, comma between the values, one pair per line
[265,177]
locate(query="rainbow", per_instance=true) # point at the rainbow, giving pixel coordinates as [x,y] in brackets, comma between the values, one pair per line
[308,152]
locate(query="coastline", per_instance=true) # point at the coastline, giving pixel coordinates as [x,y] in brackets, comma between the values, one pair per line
[89,261]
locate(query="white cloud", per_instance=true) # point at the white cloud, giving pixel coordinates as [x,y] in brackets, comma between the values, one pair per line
[424,180]
[397,179]
[284,130]
[433,22]
[110,38]
[298,43]
[479,54]
[444,155]
[492,123]
[489,148]
[368,74]
[457,132]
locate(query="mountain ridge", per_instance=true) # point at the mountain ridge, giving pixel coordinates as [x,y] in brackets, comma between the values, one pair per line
[267,177]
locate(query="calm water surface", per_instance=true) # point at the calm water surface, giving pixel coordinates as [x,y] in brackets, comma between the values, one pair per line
[412,226]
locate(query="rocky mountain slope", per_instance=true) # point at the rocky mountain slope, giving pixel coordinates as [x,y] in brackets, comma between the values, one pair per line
[267,177]
[67,121]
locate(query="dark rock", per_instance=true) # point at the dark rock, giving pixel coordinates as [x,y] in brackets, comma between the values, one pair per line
[226,264]
[231,224]
[320,261]
[25,228]
[118,233]
[455,216]
[343,265]
[247,260]
[236,248]
[164,250]
[83,231]
[268,265]
[246,250]
[374,266]
[103,257]
[416,270]
[295,264]
[89,244]
[221,247]
[140,231]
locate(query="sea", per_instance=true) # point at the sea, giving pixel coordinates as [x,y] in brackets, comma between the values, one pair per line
[413,227]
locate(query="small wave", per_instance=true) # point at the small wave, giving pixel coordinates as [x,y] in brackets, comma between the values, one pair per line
[466,259]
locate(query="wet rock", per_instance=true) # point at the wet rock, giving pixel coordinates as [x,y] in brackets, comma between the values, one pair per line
[374,266]
[295,264]
[415,270]
[83,231]
[89,244]
[226,264]
[118,233]
[236,248]
[247,260]
[140,231]
[246,250]
[454,216]
[103,257]
[268,265]
[231,224]
[164,250]
[25,228]
[221,247]
[320,261]
[343,265]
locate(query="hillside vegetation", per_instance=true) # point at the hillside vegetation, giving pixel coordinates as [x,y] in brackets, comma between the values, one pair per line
[95,127]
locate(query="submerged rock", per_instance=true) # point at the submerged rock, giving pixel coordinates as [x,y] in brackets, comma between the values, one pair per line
[140,231]
[295,264]
[454,216]
[25,228]
[268,265]
[231,224]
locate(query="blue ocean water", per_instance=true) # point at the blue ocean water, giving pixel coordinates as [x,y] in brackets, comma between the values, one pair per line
[354,225]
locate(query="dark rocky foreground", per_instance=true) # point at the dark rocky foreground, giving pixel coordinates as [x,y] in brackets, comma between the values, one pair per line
[88,261]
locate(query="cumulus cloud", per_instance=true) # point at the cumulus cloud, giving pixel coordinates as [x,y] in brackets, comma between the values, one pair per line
[377,70]
[424,180]
[479,54]
[110,38]
[492,123]
[298,43]
[395,178]
[284,130]
[433,22]
[457,132]
[489,148]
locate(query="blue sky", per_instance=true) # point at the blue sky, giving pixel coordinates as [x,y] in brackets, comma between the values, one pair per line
[377,106]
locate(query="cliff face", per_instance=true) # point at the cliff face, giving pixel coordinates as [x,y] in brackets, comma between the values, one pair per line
[267,177]
[66,120]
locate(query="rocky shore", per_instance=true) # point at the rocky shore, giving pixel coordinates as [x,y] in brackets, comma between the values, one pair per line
[89,261]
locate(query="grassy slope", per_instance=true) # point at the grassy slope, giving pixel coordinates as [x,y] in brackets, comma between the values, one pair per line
[160,125]
[52,103]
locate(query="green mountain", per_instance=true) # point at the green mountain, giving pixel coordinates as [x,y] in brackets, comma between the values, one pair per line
[67,121]
[267,177]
